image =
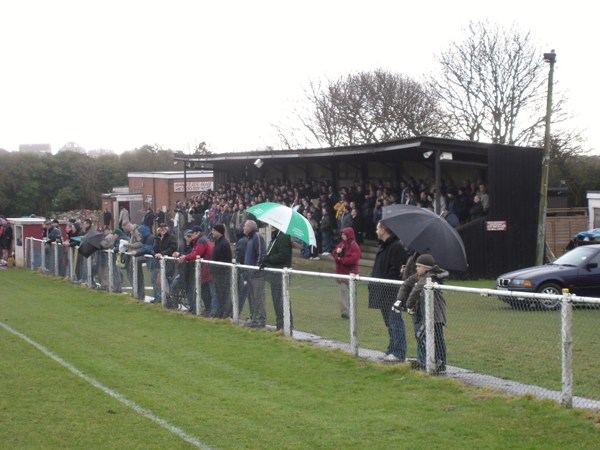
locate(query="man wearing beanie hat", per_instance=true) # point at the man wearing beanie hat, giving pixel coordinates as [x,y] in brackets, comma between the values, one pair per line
[220,228]
[412,298]
[426,261]
[222,307]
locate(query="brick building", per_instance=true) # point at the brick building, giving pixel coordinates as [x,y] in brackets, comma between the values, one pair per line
[155,190]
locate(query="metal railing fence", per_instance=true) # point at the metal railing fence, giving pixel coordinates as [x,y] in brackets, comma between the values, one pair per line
[490,340]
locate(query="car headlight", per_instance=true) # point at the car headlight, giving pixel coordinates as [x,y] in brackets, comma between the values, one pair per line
[522,283]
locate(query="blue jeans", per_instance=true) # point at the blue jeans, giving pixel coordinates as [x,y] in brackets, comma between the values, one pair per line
[209,297]
[397,333]
[326,236]
[420,348]
[439,344]
[305,252]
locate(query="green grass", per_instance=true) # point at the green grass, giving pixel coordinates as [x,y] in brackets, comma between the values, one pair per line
[230,387]
[483,334]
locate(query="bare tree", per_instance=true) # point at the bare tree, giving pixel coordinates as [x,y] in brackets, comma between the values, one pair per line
[368,107]
[202,149]
[567,163]
[494,86]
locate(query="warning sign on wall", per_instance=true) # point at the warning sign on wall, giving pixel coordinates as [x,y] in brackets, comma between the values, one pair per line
[495,225]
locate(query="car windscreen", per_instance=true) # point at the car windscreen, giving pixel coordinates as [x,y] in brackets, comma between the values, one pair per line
[577,256]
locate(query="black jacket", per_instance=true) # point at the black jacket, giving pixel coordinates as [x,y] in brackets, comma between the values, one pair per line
[165,244]
[280,252]
[390,257]
[221,252]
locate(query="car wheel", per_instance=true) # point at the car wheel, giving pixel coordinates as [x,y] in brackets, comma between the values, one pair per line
[549,288]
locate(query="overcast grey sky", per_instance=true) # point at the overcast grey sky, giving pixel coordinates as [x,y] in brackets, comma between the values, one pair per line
[121,74]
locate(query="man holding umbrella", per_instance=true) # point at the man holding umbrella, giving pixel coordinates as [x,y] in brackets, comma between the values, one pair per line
[390,258]
[278,256]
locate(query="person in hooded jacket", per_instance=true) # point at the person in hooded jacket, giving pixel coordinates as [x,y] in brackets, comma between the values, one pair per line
[346,256]
[411,297]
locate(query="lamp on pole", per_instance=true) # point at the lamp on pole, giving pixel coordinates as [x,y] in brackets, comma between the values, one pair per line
[541,236]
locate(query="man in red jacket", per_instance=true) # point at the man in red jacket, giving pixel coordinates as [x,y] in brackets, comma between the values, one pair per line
[346,256]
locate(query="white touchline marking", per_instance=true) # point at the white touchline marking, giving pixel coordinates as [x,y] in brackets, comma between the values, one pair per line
[143,411]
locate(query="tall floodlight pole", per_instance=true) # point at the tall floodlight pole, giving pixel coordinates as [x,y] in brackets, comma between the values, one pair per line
[541,236]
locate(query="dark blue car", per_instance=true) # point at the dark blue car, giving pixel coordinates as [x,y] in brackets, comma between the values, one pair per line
[577,270]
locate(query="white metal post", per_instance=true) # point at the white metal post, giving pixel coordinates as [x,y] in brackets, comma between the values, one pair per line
[55,257]
[90,278]
[43,256]
[234,294]
[111,270]
[429,328]
[29,248]
[70,264]
[287,317]
[566,316]
[164,287]
[134,268]
[198,273]
[352,298]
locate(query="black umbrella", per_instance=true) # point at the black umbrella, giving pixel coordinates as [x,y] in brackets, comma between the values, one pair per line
[423,231]
[90,243]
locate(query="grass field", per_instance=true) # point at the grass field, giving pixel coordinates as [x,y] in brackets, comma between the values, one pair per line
[483,334]
[88,369]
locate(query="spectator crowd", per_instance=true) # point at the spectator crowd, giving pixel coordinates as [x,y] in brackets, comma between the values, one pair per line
[329,210]
[213,223]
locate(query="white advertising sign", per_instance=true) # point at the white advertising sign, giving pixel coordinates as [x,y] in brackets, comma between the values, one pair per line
[193,186]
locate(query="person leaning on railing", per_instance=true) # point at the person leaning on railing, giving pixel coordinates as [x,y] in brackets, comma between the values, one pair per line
[186,271]
[412,299]
[146,247]
[202,248]
[165,244]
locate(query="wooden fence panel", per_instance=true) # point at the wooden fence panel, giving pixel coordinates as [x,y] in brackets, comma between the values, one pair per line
[560,229]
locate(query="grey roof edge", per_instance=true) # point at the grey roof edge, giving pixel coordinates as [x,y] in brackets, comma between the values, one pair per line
[379,147]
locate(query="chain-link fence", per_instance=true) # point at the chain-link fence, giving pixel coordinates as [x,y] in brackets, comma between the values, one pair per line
[539,344]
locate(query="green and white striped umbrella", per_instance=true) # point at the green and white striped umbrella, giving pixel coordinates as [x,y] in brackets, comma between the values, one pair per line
[285,219]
